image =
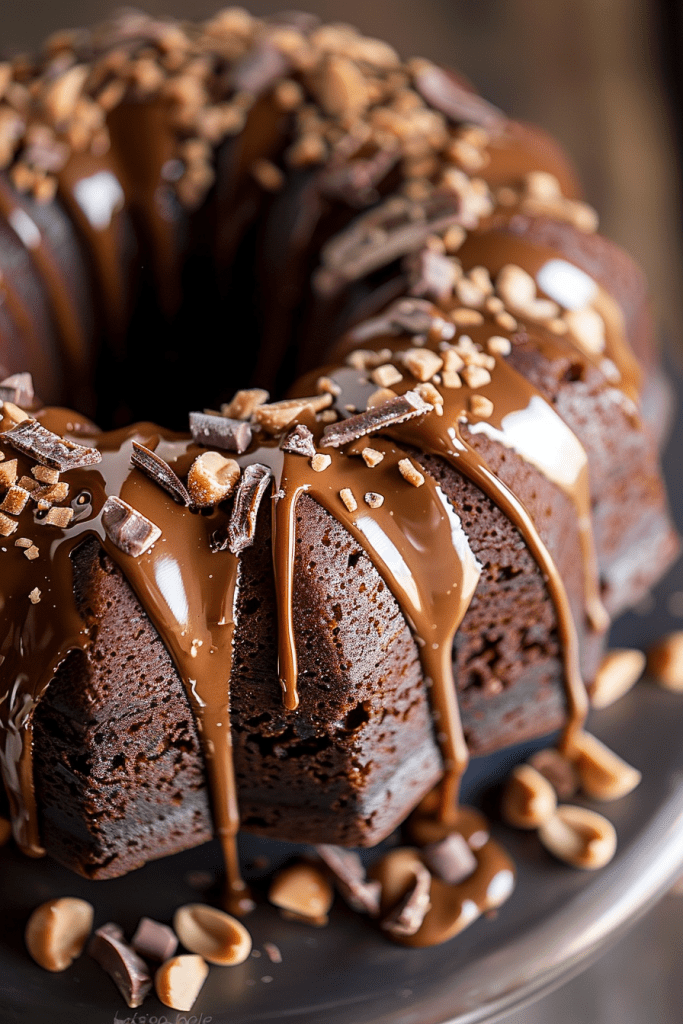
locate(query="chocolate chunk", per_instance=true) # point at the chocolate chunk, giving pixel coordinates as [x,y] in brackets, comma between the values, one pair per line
[396,410]
[260,69]
[350,879]
[409,913]
[220,432]
[154,940]
[127,528]
[451,859]
[298,441]
[250,491]
[160,472]
[18,389]
[123,965]
[356,181]
[384,234]
[443,92]
[49,449]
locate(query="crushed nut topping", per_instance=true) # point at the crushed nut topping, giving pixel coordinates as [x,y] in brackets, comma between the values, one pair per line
[410,472]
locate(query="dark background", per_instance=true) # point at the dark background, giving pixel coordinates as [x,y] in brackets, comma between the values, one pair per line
[603,76]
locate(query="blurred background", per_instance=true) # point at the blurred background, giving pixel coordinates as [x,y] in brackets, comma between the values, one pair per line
[604,77]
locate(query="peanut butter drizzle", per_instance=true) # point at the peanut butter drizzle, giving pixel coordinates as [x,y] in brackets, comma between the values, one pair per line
[66,317]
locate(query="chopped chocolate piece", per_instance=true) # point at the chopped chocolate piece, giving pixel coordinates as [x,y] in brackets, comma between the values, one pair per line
[409,913]
[123,965]
[356,181]
[350,879]
[15,500]
[35,440]
[414,316]
[159,471]
[381,236]
[451,859]
[18,389]
[154,940]
[127,528]
[389,414]
[432,274]
[220,432]
[260,69]
[250,491]
[298,441]
[442,91]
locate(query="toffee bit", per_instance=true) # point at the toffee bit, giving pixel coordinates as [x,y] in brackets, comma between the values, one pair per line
[410,473]
[276,416]
[346,495]
[386,375]
[422,363]
[396,410]
[32,552]
[252,487]
[29,484]
[51,494]
[466,317]
[33,439]
[212,479]
[60,517]
[159,472]
[371,457]
[15,500]
[18,389]
[220,432]
[479,405]
[475,376]
[128,529]
[13,413]
[298,441]
[7,525]
[373,499]
[498,346]
[23,542]
[378,397]
[320,462]
[327,384]
[8,474]
[243,403]
[450,379]
[35,596]
[45,475]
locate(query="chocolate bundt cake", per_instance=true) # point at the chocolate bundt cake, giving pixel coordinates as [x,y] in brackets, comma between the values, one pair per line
[303,615]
